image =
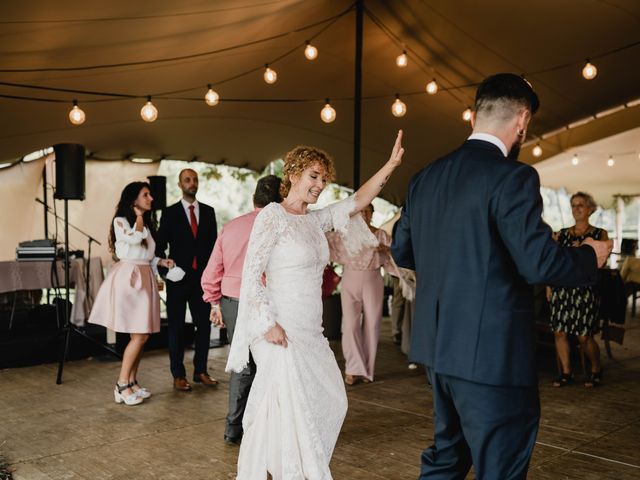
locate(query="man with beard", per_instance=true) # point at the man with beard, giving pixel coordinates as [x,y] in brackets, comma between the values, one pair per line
[189,229]
[472,230]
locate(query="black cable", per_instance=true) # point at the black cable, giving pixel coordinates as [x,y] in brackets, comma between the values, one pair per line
[498,55]
[139,17]
[178,58]
[330,23]
[162,95]
[592,57]
[381,25]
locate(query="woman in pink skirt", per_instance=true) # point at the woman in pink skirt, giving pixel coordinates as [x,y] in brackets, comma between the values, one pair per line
[128,300]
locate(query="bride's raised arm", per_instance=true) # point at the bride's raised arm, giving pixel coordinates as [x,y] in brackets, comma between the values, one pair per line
[372,187]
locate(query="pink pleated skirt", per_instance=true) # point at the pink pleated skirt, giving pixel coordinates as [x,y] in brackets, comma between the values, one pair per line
[128,300]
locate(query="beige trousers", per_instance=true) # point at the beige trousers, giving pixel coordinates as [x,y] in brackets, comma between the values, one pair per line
[361,296]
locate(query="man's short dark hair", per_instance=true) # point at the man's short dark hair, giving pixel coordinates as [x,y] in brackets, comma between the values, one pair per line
[510,87]
[267,191]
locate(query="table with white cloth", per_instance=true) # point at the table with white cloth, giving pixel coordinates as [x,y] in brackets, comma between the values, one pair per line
[16,276]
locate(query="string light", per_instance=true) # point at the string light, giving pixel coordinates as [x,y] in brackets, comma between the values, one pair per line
[328,113]
[466,115]
[537,150]
[575,160]
[402,60]
[211,97]
[611,162]
[270,76]
[589,71]
[432,87]
[310,52]
[76,115]
[398,108]
[149,112]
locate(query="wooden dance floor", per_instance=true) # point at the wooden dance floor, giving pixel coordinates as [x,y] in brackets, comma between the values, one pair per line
[76,431]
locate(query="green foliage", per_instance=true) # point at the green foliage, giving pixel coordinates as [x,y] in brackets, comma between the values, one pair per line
[230,189]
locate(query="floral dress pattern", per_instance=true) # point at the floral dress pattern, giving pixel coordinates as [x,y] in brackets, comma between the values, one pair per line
[574,310]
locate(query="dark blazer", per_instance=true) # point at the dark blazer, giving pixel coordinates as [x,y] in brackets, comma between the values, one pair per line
[175,231]
[472,229]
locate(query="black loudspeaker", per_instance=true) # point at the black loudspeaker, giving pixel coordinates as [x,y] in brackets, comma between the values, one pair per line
[158,191]
[69,171]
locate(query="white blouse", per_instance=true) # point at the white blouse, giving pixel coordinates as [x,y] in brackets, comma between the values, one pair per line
[129,243]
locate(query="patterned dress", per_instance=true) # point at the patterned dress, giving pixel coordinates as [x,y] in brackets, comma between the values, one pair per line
[574,310]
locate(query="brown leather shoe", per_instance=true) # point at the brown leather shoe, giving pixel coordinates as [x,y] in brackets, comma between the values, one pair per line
[180,383]
[205,379]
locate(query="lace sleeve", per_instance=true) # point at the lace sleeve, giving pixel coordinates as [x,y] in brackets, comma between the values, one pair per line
[354,231]
[256,313]
[127,234]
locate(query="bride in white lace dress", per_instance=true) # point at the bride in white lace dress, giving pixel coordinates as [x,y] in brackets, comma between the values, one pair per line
[297,402]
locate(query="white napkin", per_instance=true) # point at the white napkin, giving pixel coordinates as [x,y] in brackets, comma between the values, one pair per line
[175,274]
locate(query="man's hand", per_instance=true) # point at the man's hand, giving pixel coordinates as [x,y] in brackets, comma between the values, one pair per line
[277,335]
[602,249]
[216,316]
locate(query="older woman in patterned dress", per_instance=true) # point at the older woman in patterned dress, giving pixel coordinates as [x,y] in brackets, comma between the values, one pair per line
[574,311]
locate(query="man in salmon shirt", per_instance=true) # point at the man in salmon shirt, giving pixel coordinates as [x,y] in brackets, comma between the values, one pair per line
[221,286]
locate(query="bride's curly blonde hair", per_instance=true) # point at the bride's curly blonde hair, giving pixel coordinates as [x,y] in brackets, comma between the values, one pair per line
[301,158]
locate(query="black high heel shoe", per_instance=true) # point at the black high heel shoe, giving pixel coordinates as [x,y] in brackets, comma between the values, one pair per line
[563,380]
[594,379]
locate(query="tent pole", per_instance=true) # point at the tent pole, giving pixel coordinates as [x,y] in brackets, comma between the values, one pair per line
[357,96]
[46,206]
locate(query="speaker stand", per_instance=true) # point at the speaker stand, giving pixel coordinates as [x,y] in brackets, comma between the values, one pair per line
[69,327]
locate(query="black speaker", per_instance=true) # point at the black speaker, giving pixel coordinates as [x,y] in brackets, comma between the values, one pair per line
[69,171]
[158,185]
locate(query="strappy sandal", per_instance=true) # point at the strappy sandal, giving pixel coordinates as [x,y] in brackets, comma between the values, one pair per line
[140,391]
[126,398]
[563,380]
[594,380]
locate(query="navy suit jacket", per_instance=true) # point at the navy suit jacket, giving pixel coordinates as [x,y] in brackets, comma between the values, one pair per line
[472,229]
[175,231]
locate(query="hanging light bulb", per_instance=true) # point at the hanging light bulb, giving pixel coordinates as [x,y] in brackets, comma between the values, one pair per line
[575,160]
[432,87]
[611,162]
[328,113]
[211,98]
[402,60]
[310,52]
[589,71]
[149,112]
[270,76]
[76,115]
[537,150]
[398,108]
[466,115]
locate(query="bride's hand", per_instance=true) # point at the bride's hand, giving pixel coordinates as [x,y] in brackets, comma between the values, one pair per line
[277,335]
[396,154]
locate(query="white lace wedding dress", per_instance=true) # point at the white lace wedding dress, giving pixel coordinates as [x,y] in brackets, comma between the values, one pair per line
[297,402]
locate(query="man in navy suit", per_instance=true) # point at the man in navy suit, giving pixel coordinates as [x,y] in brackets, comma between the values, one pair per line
[472,230]
[189,229]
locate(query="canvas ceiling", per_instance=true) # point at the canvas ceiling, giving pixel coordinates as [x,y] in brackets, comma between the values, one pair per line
[457,42]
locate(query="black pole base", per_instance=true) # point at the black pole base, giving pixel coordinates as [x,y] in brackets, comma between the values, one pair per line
[68,330]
